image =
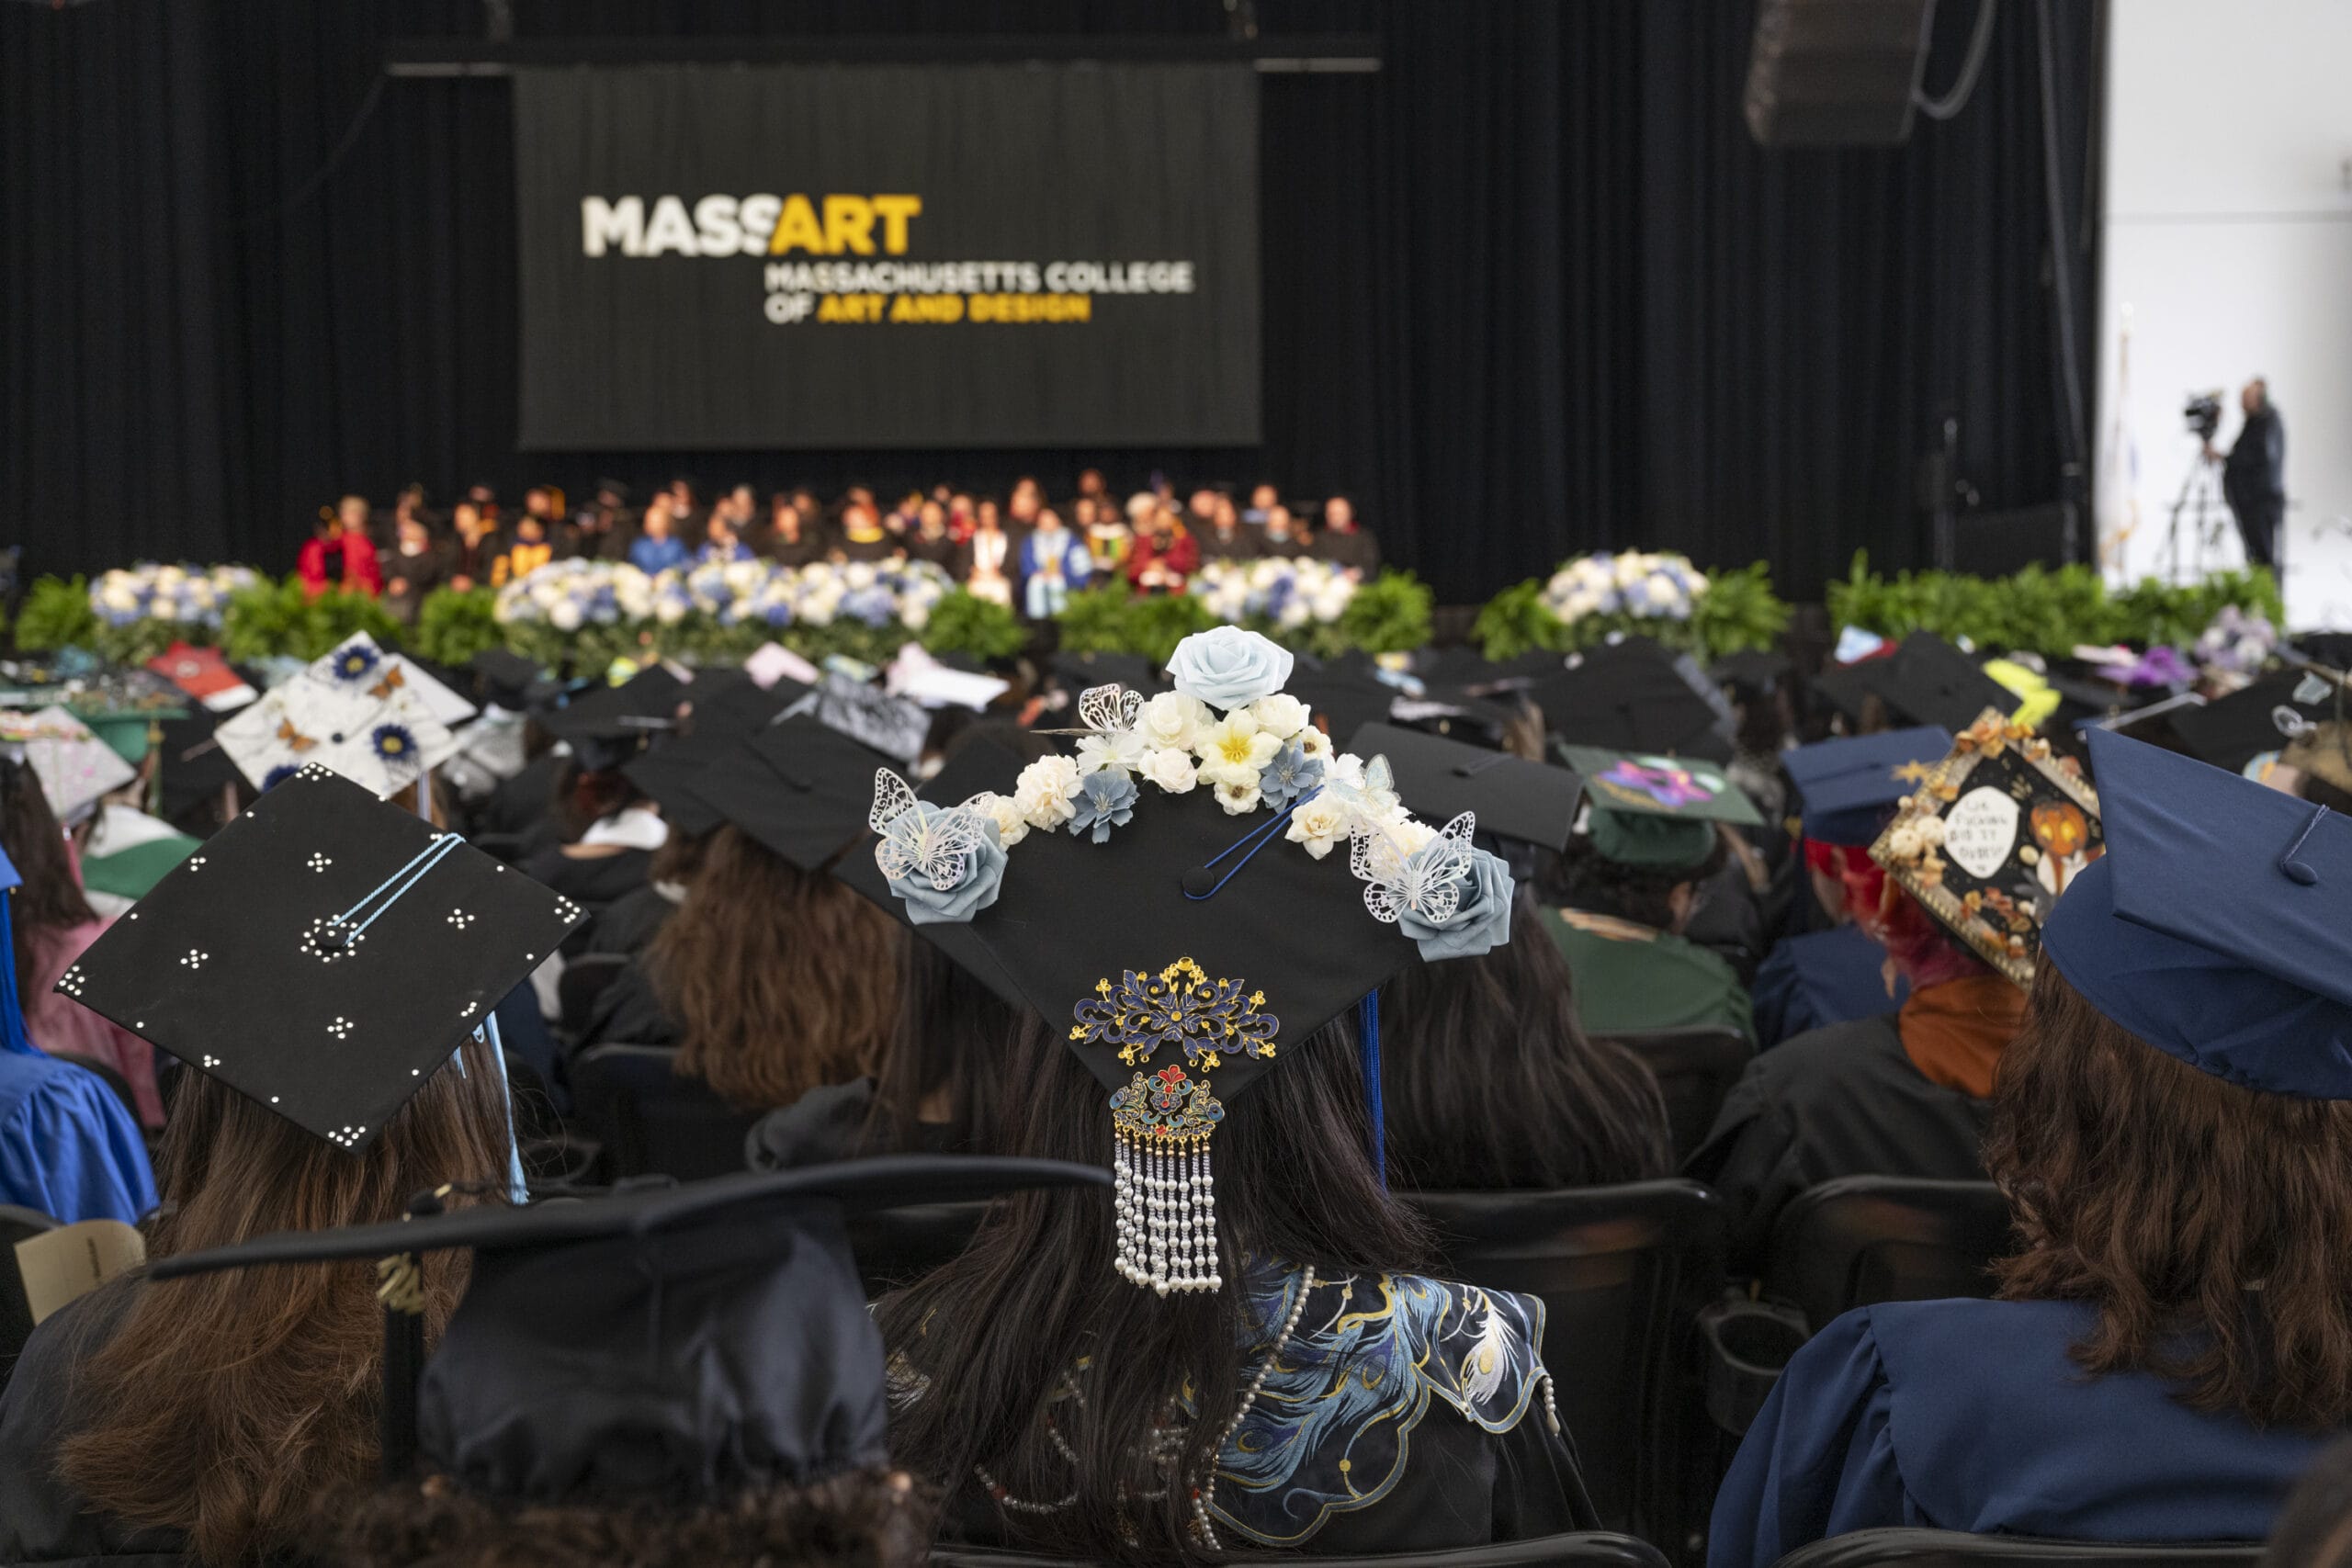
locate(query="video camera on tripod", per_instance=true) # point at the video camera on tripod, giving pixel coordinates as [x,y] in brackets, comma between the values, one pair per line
[2203,413]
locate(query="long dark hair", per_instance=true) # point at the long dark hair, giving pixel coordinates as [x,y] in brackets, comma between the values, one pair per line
[1586,879]
[953,1038]
[49,897]
[2210,1226]
[1491,1082]
[994,1335]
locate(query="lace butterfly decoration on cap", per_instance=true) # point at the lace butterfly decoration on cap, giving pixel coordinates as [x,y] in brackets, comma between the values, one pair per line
[935,843]
[1428,881]
[1104,710]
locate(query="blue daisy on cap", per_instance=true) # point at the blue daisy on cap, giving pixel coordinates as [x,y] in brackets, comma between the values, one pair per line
[393,743]
[277,776]
[355,664]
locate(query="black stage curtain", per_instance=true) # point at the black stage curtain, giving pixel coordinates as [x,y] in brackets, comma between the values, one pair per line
[1529,290]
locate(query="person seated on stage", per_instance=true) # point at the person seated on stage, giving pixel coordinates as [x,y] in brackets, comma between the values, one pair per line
[928,540]
[2173,1345]
[1901,1092]
[686,510]
[1225,538]
[1263,498]
[52,923]
[413,568]
[1847,790]
[1103,527]
[340,554]
[599,531]
[69,1147]
[1054,565]
[473,545]
[530,548]
[1624,895]
[794,538]
[657,547]
[772,978]
[862,537]
[1166,1370]
[721,545]
[544,503]
[198,1422]
[1165,554]
[986,563]
[1342,541]
[1022,508]
[1286,536]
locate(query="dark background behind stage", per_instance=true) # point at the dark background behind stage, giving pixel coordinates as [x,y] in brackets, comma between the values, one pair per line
[1096,163]
[1530,290]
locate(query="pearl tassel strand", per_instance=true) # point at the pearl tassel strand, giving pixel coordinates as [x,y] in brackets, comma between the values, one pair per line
[1204,1496]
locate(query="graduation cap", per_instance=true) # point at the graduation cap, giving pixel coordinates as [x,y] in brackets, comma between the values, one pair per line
[978,766]
[1991,838]
[2214,929]
[370,729]
[1848,786]
[606,725]
[1084,671]
[205,676]
[2324,752]
[800,787]
[1344,698]
[191,765]
[1631,697]
[2231,731]
[75,768]
[1754,668]
[1928,681]
[1653,812]
[321,954]
[1512,797]
[1465,668]
[892,726]
[360,665]
[720,720]
[512,682]
[670,1343]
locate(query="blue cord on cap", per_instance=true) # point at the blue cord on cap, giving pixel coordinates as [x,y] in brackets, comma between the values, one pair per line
[1256,838]
[1368,1045]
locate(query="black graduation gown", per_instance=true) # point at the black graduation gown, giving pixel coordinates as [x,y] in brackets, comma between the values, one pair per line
[627,1012]
[42,1520]
[830,1124]
[1840,1102]
[630,922]
[519,802]
[1358,550]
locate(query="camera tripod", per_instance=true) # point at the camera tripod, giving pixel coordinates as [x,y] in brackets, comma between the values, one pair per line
[2200,500]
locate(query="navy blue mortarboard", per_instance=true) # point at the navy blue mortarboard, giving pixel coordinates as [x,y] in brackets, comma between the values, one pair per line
[1848,786]
[2214,927]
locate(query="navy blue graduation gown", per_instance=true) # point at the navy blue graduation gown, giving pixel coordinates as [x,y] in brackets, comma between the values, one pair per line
[1969,1416]
[1822,977]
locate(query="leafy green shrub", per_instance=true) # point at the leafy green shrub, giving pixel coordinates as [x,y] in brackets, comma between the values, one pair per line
[981,628]
[279,619]
[453,624]
[57,614]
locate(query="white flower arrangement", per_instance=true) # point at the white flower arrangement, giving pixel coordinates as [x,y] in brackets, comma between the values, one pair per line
[1644,586]
[151,590]
[570,594]
[1288,592]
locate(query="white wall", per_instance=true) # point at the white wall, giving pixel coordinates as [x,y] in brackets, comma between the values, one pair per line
[2229,254]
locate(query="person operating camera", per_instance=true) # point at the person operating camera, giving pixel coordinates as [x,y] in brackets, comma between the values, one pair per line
[2254,476]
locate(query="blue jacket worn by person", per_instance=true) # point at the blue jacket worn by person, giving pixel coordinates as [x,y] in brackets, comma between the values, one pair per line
[69,1148]
[2212,931]
[651,555]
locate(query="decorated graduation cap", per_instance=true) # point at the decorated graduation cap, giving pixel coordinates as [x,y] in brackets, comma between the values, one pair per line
[75,768]
[2267,716]
[1653,812]
[2215,927]
[205,676]
[1173,899]
[321,954]
[722,719]
[1991,838]
[679,1344]
[978,766]
[1632,697]
[1849,786]
[1512,797]
[1927,681]
[363,720]
[799,787]
[358,664]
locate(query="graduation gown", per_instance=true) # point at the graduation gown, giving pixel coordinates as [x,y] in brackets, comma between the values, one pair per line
[68,1147]
[1968,1415]
[1812,981]
[834,1122]
[1631,979]
[1840,1101]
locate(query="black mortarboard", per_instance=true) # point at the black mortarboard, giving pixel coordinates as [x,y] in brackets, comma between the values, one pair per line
[321,954]
[510,680]
[800,787]
[1343,698]
[720,720]
[1752,666]
[979,765]
[1847,691]
[1991,838]
[1514,797]
[194,767]
[2214,929]
[892,726]
[1084,671]
[1465,668]
[1928,681]
[2231,731]
[605,725]
[1631,697]
[676,1343]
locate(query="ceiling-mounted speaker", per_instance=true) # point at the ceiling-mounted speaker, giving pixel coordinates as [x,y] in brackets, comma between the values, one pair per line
[1835,73]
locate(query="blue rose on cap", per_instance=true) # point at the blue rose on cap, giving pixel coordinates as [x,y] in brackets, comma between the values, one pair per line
[1481,918]
[1229,668]
[928,903]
